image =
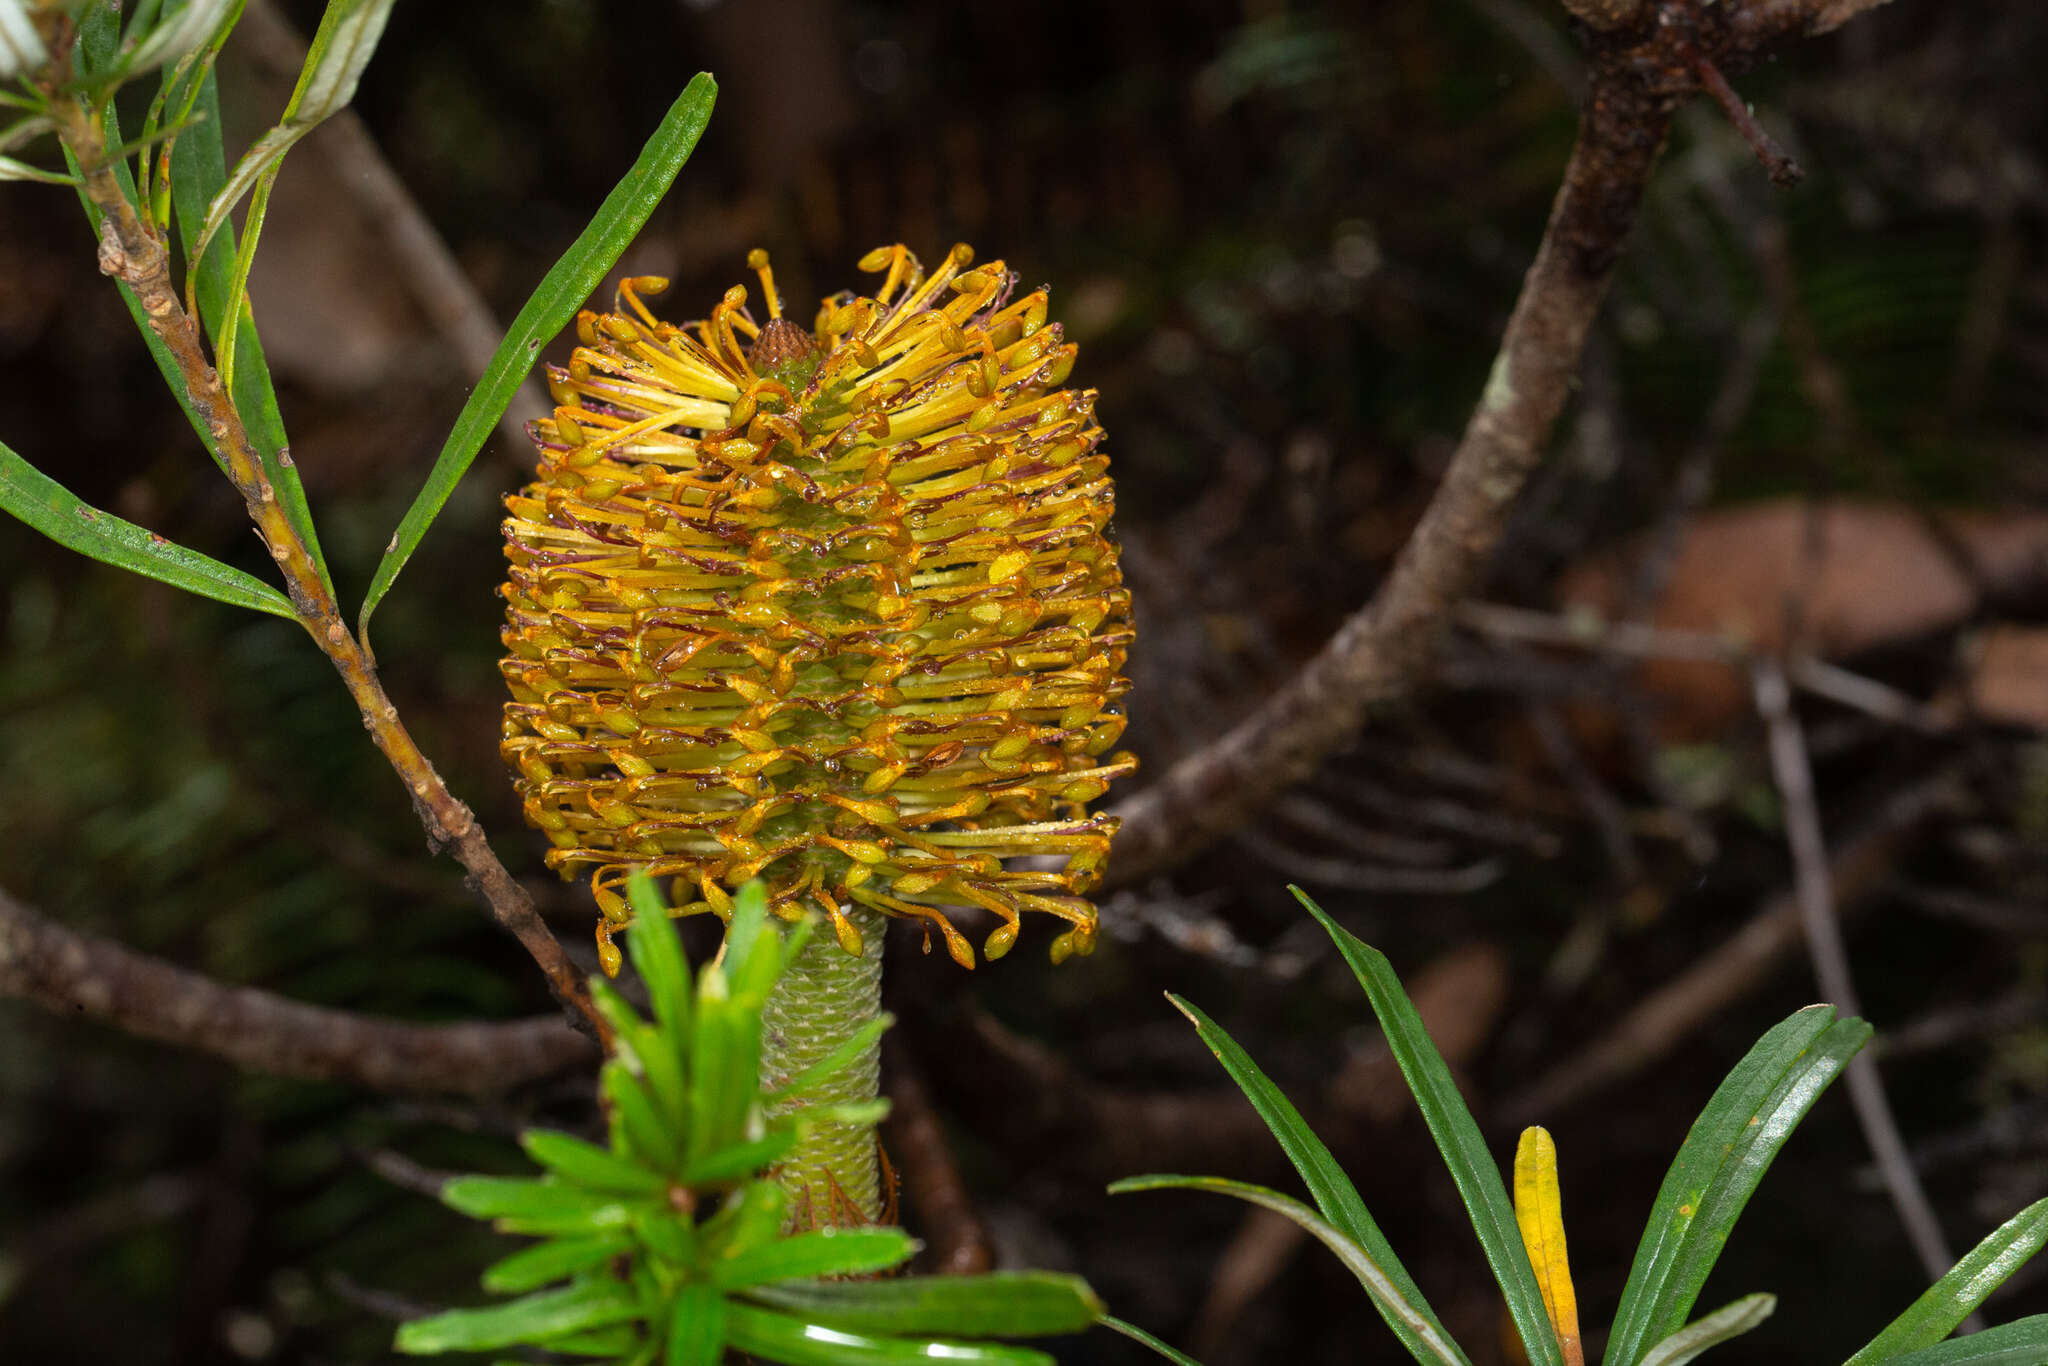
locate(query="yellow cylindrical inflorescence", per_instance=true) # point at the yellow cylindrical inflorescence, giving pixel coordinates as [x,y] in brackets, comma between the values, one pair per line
[834,607]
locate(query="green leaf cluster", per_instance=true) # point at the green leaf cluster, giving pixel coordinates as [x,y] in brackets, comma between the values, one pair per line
[668,1243]
[1724,1157]
[175,176]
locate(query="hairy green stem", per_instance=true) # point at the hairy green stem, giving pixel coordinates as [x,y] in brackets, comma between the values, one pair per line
[824,996]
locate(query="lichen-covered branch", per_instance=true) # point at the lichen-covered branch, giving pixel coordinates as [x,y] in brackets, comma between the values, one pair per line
[133,253]
[1638,78]
[71,973]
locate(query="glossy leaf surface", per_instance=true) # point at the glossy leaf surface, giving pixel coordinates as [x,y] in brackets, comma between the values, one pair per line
[1328,1185]
[55,511]
[1724,1156]
[1435,1348]
[999,1304]
[1457,1137]
[560,294]
[1968,1283]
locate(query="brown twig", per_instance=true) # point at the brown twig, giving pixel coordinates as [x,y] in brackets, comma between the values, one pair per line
[131,252]
[1777,162]
[79,974]
[1670,1015]
[1389,644]
[1814,895]
[959,1240]
[1605,14]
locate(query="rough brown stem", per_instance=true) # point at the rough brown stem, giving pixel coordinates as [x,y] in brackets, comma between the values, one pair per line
[1387,645]
[131,252]
[79,974]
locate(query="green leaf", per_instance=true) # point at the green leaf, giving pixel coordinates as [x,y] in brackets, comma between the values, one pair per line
[725,1069]
[535,1318]
[2023,1342]
[841,1055]
[1969,1282]
[1457,1138]
[1137,1334]
[341,48]
[613,1341]
[1327,1183]
[749,1218]
[552,305]
[743,931]
[547,1207]
[52,509]
[796,1343]
[741,1159]
[800,1256]
[696,1327]
[1729,1321]
[1724,1156]
[657,954]
[589,1165]
[284,479]
[651,1136]
[1001,1304]
[669,1234]
[556,1259]
[1432,1347]
[198,169]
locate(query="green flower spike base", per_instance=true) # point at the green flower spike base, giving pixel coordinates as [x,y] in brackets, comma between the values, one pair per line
[826,997]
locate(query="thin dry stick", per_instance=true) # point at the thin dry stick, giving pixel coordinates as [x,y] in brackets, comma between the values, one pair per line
[915,1139]
[1605,14]
[77,974]
[421,257]
[1670,1015]
[1777,162]
[1815,898]
[131,252]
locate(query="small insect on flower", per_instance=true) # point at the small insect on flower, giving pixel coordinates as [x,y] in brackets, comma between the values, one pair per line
[835,607]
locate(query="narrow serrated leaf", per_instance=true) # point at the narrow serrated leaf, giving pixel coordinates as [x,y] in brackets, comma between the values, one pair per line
[560,294]
[55,511]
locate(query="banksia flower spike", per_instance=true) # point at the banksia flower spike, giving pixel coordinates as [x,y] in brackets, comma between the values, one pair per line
[834,607]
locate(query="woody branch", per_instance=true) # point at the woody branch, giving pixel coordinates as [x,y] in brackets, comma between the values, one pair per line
[133,253]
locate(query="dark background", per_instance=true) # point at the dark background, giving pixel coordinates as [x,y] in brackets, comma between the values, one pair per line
[1286,237]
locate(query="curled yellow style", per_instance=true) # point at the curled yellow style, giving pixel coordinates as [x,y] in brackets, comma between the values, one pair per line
[835,607]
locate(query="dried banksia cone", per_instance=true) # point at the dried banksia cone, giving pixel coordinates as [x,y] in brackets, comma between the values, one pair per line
[834,607]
